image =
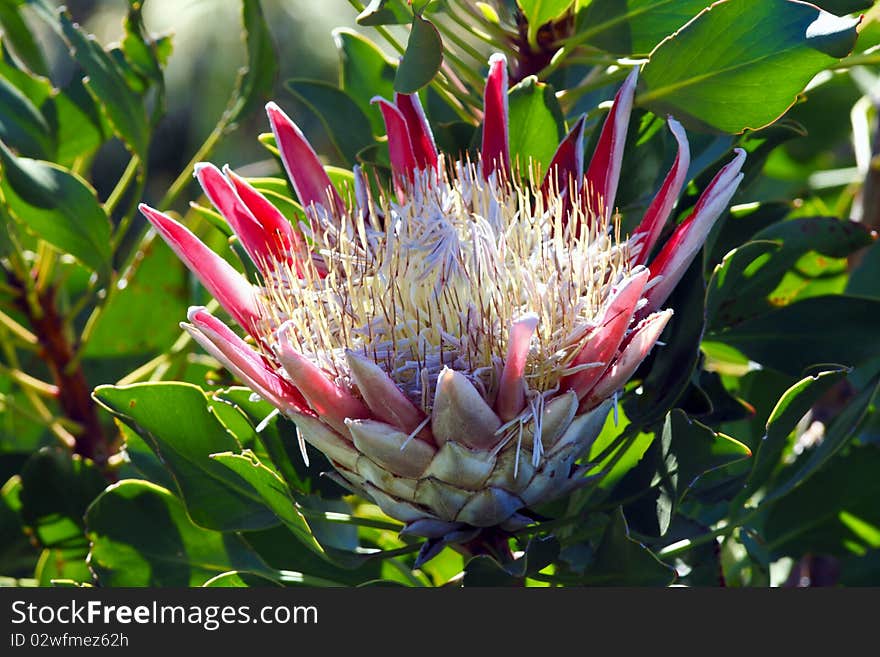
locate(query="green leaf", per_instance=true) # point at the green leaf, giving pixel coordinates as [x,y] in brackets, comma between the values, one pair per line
[835,513]
[56,489]
[627,27]
[422,59]
[236,579]
[364,72]
[837,434]
[146,56]
[740,64]
[621,561]
[536,123]
[826,329]
[618,449]
[863,279]
[281,447]
[58,206]
[789,410]
[17,554]
[539,12]
[79,126]
[107,84]
[257,80]
[282,550]
[19,36]
[63,564]
[345,123]
[139,321]
[691,449]
[751,281]
[141,536]
[733,271]
[274,493]
[21,124]
[175,421]
[385,12]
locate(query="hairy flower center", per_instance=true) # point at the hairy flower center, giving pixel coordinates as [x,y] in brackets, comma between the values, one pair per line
[437,279]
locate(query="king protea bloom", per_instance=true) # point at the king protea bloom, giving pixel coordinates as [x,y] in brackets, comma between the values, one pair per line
[453,345]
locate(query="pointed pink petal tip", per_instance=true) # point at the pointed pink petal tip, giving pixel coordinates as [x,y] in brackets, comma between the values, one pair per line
[658,212]
[221,279]
[678,253]
[424,147]
[495,149]
[603,173]
[511,387]
[607,338]
[400,147]
[567,165]
[639,344]
[306,173]
[249,366]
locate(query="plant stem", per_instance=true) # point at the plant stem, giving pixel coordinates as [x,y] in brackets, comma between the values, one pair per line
[74,391]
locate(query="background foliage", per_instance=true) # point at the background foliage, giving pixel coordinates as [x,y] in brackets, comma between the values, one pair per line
[745,453]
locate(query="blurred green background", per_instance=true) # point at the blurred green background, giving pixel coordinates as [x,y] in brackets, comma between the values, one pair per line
[208,52]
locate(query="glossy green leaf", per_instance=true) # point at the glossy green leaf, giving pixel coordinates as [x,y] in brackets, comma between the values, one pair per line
[58,206]
[107,84]
[539,12]
[422,59]
[691,449]
[236,579]
[628,27]
[68,564]
[79,125]
[734,271]
[364,72]
[257,80]
[618,449]
[385,12]
[751,281]
[621,561]
[536,125]
[864,277]
[282,550]
[144,54]
[741,63]
[17,554]
[347,126]
[22,126]
[23,41]
[278,437]
[825,329]
[789,410]
[56,489]
[839,432]
[141,536]
[273,491]
[835,512]
[175,421]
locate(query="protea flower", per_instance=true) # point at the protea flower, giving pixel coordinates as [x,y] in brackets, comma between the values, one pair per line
[453,346]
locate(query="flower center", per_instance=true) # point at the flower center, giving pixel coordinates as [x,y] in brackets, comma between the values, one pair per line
[436,279]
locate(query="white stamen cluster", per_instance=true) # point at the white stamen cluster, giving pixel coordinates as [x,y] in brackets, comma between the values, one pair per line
[437,279]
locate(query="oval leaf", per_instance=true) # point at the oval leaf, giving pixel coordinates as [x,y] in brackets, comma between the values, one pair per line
[141,536]
[58,206]
[422,59]
[536,123]
[741,63]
